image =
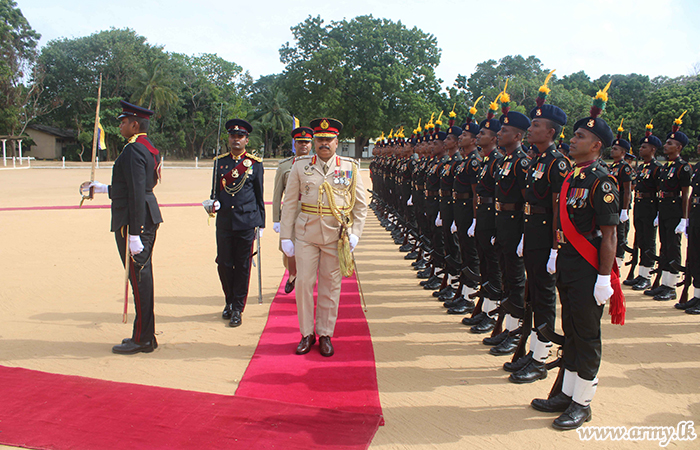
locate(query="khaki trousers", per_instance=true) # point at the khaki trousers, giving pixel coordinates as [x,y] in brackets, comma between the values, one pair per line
[320,262]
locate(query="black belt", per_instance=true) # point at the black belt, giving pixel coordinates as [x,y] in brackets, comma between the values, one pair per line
[509,206]
[432,193]
[667,194]
[465,195]
[483,200]
[590,236]
[533,209]
[444,193]
[644,194]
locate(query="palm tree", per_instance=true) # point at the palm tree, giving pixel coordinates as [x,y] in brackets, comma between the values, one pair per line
[272,117]
[153,85]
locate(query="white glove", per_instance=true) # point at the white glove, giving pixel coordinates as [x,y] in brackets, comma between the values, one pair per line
[438,221]
[211,206]
[623,216]
[519,250]
[410,201]
[656,220]
[353,241]
[276,226]
[680,229]
[288,247]
[493,240]
[98,188]
[552,261]
[472,229]
[135,245]
[260,232]
[602,291]
[453,228]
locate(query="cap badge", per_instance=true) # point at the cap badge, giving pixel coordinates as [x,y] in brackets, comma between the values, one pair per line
[488,125]
[673,135]
[591,123]
[505,120]
[324,124]
[303,133]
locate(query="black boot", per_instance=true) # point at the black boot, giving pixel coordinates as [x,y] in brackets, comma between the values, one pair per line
[507,347]
[519,364]
[689,304]
[574,416]
[495,340]
[558,403]
[486,325]
[529,374]
[469,321]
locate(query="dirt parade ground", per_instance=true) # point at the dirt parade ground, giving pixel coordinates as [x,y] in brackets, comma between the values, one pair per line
[61,294]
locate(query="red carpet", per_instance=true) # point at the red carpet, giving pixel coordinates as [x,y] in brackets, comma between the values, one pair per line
[47,411]
[347,381]
[284,401]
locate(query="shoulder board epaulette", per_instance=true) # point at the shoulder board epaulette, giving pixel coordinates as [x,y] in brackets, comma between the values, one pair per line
[286,159]
[221,156]
[253,157]
[352,160]
[304,157]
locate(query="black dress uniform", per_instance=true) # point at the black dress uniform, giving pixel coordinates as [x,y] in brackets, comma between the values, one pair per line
[486,222]
[135,212]
[692,262]
[238,186]
[623,173]
[452,252]
[645,211]
[673,176]
[466,174]
[432,205]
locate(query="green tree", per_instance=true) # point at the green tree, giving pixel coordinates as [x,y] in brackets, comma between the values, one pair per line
[371,74]
[18,43]
[271,118]
[153,86]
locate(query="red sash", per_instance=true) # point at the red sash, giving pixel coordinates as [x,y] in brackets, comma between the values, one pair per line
[590,254]
[235,175]
[142,139]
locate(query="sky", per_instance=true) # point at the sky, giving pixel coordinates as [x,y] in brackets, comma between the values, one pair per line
[649,37]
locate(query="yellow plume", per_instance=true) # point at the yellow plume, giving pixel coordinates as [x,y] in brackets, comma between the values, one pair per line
[678,121]
[603,95]
[505,97]
[562,133]
[544,87]
[650,126]
[473,110]
[620,129]
[493,106]
[438,121]
[391,134]
[453,114]
[419,129]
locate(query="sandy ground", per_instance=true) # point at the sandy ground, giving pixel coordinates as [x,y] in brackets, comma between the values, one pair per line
[61,295]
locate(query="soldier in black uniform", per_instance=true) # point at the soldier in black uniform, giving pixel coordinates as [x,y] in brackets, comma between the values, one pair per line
[484,227]
[646,208]
[545,176]
[237,198]
[692,262]
[510,188]
[135,213]
[453,259]
[624,175]
[463,193]
[586,270]
[674,182]
[432,200]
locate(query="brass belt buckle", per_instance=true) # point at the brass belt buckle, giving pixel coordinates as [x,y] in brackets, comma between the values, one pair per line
[526,209]
[478,200]
[560,237]
[498,206]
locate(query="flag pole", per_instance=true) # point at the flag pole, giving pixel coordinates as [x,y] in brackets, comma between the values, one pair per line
[95,139]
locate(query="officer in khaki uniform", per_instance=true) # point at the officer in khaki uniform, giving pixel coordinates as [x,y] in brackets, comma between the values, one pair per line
[310,230]
[302,137]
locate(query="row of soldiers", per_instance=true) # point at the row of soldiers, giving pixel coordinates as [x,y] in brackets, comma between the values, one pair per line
[486,218]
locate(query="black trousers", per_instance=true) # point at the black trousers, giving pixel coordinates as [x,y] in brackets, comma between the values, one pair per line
[432,207]
[233,255]
[580,318]
[488,258]
[622,229]
[670,244]
[464,215]
[644,230]
[692,261]
[450,240]
[541,288]
[141,277]
[509,229]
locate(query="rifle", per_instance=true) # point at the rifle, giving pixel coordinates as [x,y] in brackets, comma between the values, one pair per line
[635,258]
[558,339]
[687,278]
[257,237]
[525,327]
[657,280]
